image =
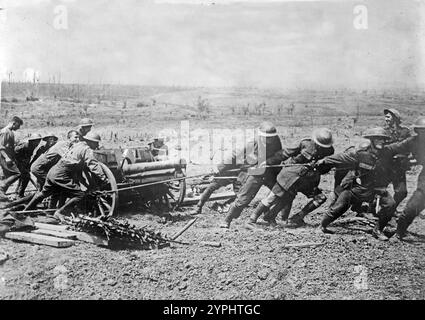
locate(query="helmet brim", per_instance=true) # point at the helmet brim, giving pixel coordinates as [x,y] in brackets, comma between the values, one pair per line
[322,144]
[377,137]
[91,140]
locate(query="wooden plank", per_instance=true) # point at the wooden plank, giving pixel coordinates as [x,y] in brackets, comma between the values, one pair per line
[58,234]
[53,227]
[82,236]
[187,226]
[40,239]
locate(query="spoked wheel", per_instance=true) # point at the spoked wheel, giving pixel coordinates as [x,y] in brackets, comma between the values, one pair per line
[103,204]
[176,190]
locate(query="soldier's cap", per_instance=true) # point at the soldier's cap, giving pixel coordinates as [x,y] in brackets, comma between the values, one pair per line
[93,137]
[376,133]
[394,113]
[419,123]
[86,122]
[34,136]
[267,129]
[323,137]
[17,120]
[50,135]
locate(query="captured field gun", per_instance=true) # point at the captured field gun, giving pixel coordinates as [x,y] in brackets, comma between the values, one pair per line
[136,175]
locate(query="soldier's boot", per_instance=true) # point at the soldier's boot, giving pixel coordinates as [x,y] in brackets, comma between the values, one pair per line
[59,214]
[5,184]
[297,220]
[326,221]
[401,231]
[378,232]
[234,212]
[23,183]
[261,208]
[270,216]
[36,199]
[203,199]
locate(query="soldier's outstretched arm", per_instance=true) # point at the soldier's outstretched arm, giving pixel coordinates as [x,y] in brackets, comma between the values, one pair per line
[404,146]
[283,155]
[347,159]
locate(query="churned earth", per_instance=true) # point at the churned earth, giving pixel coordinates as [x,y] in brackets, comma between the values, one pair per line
[250,264]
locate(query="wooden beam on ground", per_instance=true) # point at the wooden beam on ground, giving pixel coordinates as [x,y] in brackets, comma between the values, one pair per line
[58,234]
[40,239]
[54,227]
[218,196]
[303,245]
[187,226]
[82,236]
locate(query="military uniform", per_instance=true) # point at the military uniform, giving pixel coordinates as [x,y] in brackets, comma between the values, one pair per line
[371,168]
[41,166]
[229,168]
[400,162]
[64,177]
[416,203]
[24,153]
[255,153]
[7,144]
[297,178]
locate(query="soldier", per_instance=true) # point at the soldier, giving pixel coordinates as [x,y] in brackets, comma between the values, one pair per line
[7,156]
[24,152]
[236,173]
[398,133]
[84,127]
[63,177]
[49,141]
[41,166]
[371,163]
[264,146]
[416,203]
[297,177]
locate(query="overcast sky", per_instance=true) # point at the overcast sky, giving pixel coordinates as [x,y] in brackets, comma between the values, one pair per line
[232,43]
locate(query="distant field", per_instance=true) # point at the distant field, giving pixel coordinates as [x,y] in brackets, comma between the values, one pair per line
[129,114]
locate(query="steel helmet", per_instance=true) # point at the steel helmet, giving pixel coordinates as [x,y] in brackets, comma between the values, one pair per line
[323,137]
[394,113]
[267,129]
[376,133]
[50,135]
[86,122]
[34,136]
[91,136]
[419,123]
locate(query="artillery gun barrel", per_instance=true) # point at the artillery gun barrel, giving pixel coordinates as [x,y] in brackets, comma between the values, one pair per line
[135,168]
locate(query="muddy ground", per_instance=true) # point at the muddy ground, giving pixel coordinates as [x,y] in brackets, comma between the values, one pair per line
[250,264]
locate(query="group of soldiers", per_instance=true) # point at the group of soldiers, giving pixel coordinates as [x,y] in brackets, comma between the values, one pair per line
[363,174]
[57,165]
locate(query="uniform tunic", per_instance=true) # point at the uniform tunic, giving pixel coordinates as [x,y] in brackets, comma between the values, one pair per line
[65,174]
[400,162]
[416,203]
[371,177]
[24,153]
[7,144]
[41,166]
[255,153]
[299,178]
